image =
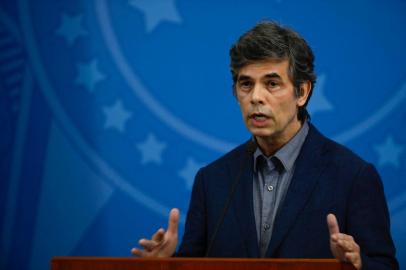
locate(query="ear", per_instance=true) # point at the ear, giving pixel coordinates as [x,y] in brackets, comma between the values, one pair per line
[304,93]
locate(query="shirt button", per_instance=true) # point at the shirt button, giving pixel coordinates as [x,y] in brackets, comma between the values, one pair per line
[266,226]
[270,188]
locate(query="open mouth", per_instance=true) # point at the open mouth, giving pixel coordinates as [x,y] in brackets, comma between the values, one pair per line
[259,116]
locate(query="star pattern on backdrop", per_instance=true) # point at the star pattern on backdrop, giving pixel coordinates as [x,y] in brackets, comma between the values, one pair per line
[157,11]
[151,150]
[188,172]
[389,152]
[318,101]
[89,75]
[116,116]
[71,28]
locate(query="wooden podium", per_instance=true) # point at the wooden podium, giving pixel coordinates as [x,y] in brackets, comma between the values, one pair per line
[132,263]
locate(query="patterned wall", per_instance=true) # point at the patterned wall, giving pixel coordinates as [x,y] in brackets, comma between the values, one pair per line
[108,108]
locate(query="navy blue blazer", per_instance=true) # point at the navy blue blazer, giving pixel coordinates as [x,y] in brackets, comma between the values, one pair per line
[328,178]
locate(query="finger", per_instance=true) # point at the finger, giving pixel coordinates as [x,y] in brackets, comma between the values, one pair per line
[348,244]
[139,252]
[344,237]
[158,236]
[345,245]
[332,224]
[350,256]
[353,257]
[148,244]
[173,221]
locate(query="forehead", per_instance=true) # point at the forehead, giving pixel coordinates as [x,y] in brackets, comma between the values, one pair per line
[262,68]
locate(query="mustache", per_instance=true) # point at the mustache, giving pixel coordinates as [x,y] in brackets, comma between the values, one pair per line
[259,111]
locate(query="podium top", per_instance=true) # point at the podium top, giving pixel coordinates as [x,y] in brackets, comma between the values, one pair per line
[133,263]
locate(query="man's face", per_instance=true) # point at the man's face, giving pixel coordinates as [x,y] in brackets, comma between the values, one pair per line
[268,102]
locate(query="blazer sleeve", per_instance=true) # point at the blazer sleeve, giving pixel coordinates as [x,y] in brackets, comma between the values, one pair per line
[368,221]
[194,240]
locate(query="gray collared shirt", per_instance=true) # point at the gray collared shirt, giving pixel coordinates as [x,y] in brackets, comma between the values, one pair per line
[272,176]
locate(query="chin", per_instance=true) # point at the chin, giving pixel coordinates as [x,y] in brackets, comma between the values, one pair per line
[257,132]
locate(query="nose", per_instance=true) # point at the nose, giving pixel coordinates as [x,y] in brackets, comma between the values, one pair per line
[257,95]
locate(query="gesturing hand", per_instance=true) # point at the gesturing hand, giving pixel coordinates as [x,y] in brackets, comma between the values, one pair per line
[343,246]
[163,243]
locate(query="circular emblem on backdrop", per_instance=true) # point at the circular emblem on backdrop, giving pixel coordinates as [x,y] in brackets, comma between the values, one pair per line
[142,89]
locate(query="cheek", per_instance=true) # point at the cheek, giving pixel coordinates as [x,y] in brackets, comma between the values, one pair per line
[287,109]
[244,108]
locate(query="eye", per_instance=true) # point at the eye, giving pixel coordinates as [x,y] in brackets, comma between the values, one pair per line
[272,84]
[245,85]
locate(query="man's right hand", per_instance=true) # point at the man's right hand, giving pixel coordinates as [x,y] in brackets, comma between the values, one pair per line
[163,243]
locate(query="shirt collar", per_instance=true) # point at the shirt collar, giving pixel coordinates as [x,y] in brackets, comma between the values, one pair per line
[288,153]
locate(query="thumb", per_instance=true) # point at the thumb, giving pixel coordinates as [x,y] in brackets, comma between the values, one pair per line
[332,224]
[173,221]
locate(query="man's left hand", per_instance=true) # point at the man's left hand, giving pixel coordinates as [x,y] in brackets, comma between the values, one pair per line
[343,246]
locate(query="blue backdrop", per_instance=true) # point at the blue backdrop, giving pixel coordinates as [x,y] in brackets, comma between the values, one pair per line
[108,108]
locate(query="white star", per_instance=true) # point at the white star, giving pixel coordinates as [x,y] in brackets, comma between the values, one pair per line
[318,101]
[151,150]
[116,116]
[89,74]
[156,11]
[189,171]
[71,28]
[389,152]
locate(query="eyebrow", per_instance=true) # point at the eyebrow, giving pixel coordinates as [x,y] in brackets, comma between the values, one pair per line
[243,78]
[271,75]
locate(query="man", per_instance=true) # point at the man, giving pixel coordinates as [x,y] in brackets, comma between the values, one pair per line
[281,193]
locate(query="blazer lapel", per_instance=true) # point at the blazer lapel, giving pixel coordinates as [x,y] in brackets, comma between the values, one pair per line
[309,166]
[243,203]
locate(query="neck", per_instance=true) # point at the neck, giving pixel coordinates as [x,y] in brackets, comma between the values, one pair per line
[269,145]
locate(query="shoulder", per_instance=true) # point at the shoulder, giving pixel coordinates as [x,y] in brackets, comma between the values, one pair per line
[225,166]
[339,162]
[335,152]
[229,158]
